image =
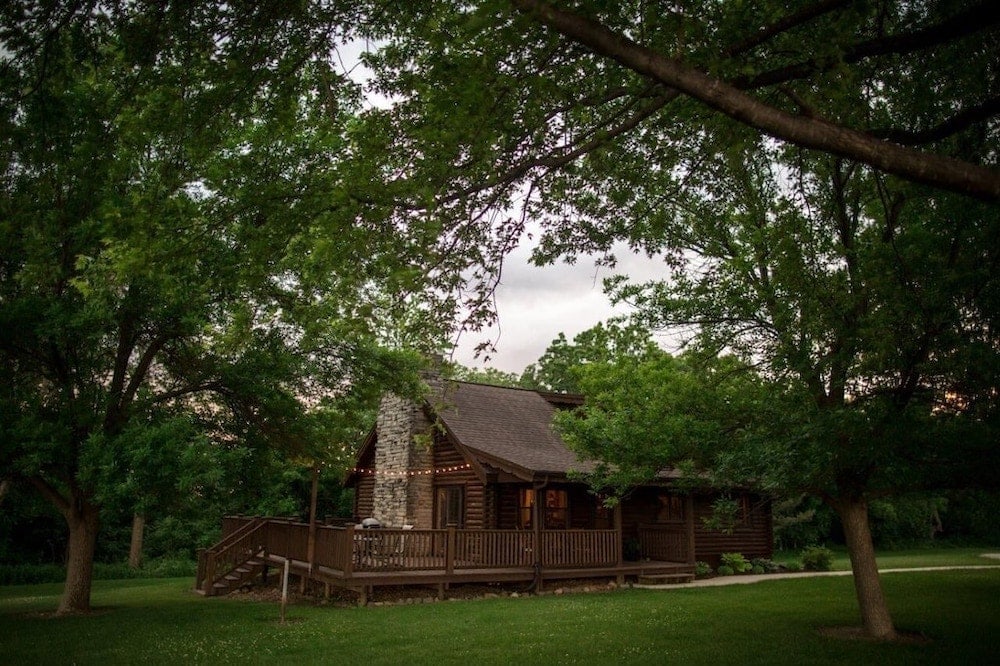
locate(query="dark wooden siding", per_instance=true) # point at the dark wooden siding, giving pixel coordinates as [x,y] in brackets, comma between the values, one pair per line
[752,538]
[507,506]
[447,455]
[364,490]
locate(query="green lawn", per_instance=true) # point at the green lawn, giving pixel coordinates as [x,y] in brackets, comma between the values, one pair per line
[775,622]
[911,558]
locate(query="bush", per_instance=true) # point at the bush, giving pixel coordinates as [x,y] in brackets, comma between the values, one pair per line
[793,567]
[769,566]
[30,574]
[758,570]
[817,558]
[702,569]
[801,521]
[726,570]
[735,561]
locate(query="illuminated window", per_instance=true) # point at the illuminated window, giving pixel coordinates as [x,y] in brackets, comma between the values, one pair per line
[525,507]
[556,510]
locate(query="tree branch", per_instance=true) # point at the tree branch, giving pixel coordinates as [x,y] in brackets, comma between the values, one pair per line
[936,170]
[49,492]
[784,24]
[957,26]
[958,122]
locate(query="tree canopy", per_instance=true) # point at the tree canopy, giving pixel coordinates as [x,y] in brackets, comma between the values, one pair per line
[863,317]
[181,257]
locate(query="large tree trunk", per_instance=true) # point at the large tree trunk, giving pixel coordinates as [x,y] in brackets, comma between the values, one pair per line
[135,545]
[874,610]
[81,517]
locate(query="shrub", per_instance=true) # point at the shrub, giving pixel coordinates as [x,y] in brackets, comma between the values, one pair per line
[817,558]
[702,569]
[726,570]
[735,561]
[793,566]
[169,568]
[30,574]
[769,566]
[758,570]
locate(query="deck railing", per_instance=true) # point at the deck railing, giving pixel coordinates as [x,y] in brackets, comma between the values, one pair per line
[242,543]
[351,549]
[668,542]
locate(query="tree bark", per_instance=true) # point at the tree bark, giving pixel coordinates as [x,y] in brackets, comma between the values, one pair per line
[135,545]
[82,519]
[875,615]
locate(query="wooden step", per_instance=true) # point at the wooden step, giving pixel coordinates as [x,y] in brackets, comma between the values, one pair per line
[665,579]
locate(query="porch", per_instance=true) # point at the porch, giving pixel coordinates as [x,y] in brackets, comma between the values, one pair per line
[362,559]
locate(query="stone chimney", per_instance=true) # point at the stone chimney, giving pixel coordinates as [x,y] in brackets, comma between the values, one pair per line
[404,491]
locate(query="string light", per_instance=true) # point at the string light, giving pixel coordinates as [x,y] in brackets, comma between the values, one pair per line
[411,472]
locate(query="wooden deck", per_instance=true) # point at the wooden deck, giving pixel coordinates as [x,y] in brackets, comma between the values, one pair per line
[361,560]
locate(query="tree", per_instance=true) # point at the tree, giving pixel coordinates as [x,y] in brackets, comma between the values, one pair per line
[864,319]
[558,368]
[178,246]
[863,297]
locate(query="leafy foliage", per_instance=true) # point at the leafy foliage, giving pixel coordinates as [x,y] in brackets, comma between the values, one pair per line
[735,562]
[817,558]
[187,271]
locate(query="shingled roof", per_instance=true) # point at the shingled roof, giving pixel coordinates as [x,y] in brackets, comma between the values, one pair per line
[507,428]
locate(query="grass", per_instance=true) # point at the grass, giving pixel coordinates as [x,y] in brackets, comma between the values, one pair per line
[909,558]
[775,622]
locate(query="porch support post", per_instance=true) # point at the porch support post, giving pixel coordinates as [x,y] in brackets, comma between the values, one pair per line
[449,553]
[618,531]
[348,551]
[689,524]
[616,519]
[311,545]
[536,524]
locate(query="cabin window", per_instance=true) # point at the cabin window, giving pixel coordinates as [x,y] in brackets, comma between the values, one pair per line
[556,510]
[450,506]
[525,507]
[671,509]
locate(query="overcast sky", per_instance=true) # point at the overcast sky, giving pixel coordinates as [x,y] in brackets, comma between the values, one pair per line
[535,304]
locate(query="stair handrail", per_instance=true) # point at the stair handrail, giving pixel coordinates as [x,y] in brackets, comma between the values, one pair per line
[230,553]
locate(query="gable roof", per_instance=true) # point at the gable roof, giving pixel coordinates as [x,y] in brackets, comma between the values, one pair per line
[507,428]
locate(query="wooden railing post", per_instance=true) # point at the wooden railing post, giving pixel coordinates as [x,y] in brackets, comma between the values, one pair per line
[620,559]
[449,552]
[689,525]
[347,552]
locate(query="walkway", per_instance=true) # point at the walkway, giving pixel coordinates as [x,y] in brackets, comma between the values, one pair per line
[741,579]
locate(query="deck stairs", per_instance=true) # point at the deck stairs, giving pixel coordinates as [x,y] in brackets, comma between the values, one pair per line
[238,577]
[233,562]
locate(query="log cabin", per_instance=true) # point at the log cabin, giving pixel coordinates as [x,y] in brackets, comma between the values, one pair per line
[477,456]
[473,485]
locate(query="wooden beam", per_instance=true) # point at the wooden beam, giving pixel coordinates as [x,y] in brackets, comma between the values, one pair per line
[689,524]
